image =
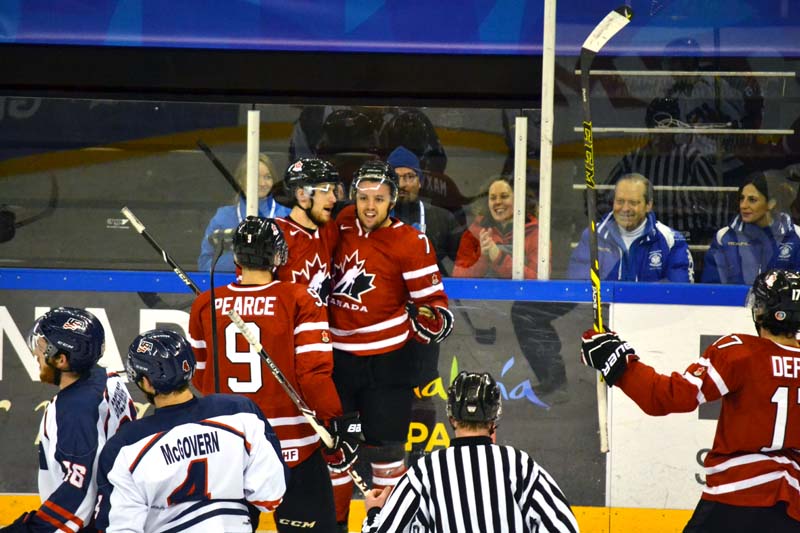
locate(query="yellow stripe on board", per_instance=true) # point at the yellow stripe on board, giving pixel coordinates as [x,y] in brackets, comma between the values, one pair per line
[590,519]
[148,146]
[144,147]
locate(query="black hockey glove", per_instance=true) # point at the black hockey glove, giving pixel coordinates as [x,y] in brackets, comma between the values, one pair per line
[21,524]
[607,353]
[431,324]
[347,437]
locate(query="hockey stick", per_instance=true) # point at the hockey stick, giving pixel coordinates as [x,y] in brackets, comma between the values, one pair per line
[481,335]
[602,33]
[221,167]
[139,227]
[141,230]
[305,410]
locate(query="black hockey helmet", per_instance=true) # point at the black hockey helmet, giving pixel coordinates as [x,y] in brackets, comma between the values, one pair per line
[307,172]
[347,130]
[412,129]
[474,397]
[165,357]
[663,113]
[774,301]
[258,243]
[377,171]
[76,333]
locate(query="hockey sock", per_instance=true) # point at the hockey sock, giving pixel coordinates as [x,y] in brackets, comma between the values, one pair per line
[342,494]
[387,474]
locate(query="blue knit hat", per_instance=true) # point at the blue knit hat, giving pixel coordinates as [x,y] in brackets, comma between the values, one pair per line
[403,157]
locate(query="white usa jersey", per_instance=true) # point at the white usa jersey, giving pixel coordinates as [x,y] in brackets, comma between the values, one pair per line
[76,425]
[191,467]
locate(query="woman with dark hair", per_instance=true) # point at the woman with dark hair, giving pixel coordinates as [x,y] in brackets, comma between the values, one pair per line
[485,251]
[758,239]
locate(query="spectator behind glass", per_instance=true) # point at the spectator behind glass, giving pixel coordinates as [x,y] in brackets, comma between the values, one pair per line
[756,240]
[485,251]
[229,216]
[485,248]
[632,245]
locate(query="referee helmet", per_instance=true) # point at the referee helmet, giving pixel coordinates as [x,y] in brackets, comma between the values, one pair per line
[474,397]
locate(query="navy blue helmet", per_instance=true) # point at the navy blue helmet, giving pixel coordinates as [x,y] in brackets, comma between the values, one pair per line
[259,243]
[165,357]
[76,333]
[474,397]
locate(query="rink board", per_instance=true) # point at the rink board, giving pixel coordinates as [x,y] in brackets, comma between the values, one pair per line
[650,469]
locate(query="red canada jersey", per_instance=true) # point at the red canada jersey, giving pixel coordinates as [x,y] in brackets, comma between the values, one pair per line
[755,458]
[375,274]
[292,326]
[310,255]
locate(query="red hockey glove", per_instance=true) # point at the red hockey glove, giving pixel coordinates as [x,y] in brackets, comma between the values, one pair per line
[21,524]
[431,324]
[347,437]
[607,353]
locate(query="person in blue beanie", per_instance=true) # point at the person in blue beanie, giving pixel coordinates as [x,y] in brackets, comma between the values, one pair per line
[229,216]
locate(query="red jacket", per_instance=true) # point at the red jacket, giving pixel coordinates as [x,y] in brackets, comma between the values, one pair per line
[470,263]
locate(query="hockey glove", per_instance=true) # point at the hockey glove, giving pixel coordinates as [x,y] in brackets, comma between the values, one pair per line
[607,353]
[21,524]
[431,324]
[347,437]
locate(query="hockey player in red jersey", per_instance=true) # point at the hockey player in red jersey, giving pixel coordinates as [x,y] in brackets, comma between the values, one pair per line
[387,288]
[309,231]
[753,468]
[292,325]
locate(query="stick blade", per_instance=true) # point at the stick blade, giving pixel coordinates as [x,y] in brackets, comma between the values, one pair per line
[608,28]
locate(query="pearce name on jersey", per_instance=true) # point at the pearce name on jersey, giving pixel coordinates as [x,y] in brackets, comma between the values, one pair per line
[190,446]
[247,305]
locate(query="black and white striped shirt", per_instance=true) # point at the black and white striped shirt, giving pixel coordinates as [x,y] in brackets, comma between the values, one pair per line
[474,486]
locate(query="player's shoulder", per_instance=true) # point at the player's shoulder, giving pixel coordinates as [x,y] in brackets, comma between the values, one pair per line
[290,228]
[288,291]
[204,298]
[226,404]
[346,212]
[739,344]
[82,397]
[400,232]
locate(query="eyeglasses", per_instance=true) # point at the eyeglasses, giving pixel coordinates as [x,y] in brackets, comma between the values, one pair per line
[410,176]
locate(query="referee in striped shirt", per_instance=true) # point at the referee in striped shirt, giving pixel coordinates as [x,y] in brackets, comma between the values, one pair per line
[475,485]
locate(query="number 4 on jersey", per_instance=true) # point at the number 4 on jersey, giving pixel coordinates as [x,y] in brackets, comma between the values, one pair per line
[194,487]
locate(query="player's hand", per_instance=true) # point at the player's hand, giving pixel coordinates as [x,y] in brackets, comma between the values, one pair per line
[607,353]
[431,324]
[347,437]
[21,524]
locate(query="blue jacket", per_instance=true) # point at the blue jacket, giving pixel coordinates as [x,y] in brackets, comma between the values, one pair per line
[740,251]
[660,254]
[228,217]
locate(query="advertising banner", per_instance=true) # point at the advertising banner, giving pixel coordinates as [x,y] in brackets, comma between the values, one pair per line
[733,27]
[558,429]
